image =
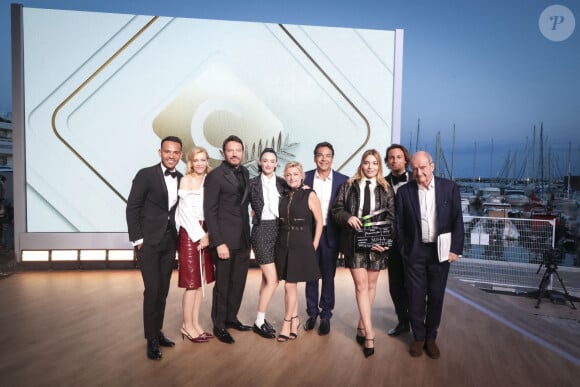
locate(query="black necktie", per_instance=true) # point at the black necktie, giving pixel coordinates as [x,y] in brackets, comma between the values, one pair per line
[398,179]
[367,199]
[240,177]
[173,174]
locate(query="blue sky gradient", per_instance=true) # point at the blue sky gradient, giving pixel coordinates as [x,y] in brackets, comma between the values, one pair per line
[483,66]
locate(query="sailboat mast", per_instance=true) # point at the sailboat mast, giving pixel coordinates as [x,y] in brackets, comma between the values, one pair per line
[453,155]
[418,130]
[491,160]
[438,155]
[542,156]
[533,171]
[569,172]
[474,156]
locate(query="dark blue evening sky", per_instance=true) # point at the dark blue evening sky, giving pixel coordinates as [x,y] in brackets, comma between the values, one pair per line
[484,66]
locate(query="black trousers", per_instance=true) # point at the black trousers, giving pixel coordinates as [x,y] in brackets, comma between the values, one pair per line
[156,264]
[230,282]
[426,281]
[397,286]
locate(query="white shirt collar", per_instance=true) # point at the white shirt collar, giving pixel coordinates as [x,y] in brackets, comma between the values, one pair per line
[430,186]
[317,176]
[268,180]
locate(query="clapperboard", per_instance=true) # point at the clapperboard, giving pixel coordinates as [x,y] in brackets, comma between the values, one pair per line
[373,233]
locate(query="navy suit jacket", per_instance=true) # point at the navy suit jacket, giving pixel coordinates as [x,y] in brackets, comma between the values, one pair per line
[408,216]
[332,229]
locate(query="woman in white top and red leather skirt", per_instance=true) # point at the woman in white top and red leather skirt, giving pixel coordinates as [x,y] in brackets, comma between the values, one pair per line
[195,266]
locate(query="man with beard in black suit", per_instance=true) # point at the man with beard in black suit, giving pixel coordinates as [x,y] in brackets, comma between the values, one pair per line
[152,231]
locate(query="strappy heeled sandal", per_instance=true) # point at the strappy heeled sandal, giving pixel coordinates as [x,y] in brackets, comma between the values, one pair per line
[283,338]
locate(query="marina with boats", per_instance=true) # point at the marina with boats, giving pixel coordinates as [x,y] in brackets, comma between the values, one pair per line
[529,209]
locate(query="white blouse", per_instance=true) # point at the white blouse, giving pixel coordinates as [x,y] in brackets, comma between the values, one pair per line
[271,198]
[190,212]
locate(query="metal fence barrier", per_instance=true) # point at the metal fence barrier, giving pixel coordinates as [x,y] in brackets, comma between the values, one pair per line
[506,254]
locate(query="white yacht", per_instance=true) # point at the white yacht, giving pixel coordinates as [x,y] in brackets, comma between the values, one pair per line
[516,197]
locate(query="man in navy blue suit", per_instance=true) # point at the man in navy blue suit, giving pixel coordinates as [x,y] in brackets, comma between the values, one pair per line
[427,210]
[325,182]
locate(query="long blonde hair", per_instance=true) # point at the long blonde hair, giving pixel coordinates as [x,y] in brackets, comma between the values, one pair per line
[359,175]
[190,157]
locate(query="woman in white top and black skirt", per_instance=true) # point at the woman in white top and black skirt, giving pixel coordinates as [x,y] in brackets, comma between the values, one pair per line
[195,266]
[265,192]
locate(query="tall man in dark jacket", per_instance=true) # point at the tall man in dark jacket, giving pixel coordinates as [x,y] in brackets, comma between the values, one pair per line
[151,224]
[428,213]
[397,159]
[226,200]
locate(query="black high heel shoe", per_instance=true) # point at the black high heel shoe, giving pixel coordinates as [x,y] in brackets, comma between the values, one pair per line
[360,338]
[369,351]
[294,335]
[283,338]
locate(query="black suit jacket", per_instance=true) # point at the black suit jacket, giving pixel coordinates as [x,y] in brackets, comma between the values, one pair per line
[226,208]
[408,216]
[147,206]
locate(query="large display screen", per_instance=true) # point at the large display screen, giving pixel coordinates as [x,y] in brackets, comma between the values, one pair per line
[101,90]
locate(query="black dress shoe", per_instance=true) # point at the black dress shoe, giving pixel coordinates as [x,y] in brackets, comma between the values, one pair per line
[324,328]
[264,331]
[153,351]
[237,325]
[399,329]
[269,326]
[164,341]
[310,323]
[223,335]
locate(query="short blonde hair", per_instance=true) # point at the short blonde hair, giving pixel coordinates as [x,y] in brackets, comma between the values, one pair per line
[191,155]
[294,164]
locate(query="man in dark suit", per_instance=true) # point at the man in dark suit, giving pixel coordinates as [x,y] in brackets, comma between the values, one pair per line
[397,159]
[325,182]
[427,209]
[152,231]
[226,200]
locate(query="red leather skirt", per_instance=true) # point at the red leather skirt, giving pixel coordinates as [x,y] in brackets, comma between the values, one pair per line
[190,263]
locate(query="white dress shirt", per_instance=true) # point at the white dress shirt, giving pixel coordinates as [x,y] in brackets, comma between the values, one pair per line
[171,183]
[323,189]
[428,212]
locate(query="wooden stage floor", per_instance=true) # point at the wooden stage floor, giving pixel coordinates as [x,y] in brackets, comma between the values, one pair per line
[83,328]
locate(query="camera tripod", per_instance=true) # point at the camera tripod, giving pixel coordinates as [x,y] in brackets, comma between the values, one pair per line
[551,268]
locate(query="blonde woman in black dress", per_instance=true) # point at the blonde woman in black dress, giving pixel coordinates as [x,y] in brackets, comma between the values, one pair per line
[296,245]
[365,265]
[265,192]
